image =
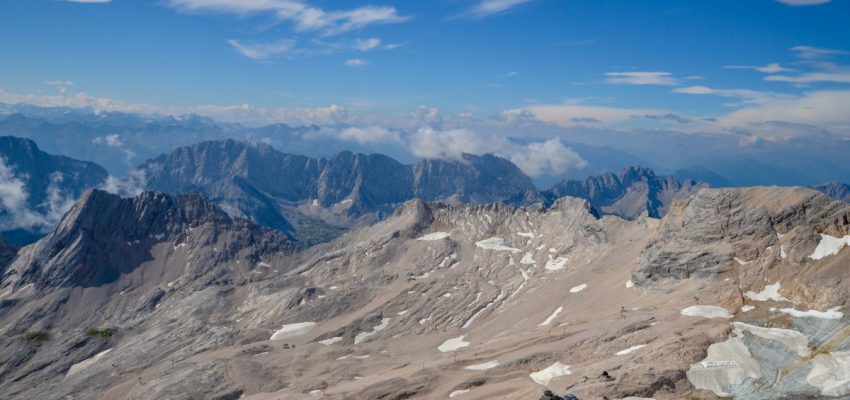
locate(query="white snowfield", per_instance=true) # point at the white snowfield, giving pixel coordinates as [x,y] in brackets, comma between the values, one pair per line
[770,292]
[483,366]
[579,288]
[832,313]
[551,317]
[831,373]
[86,363]
[453,344]
[292,330]
[553,371]
[727,363]
[829,246]
[363,335]
[435,236]
[458,393]
[706,312]
[556,264]
[495,243]
[629,350]
[792,339]
[747,308]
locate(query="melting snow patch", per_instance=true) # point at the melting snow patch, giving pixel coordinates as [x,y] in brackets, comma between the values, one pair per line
[741,262]
[706,312]
[578,288]
[782,253]
[832,313]
[263,264]
[363,335]
[747,308]
[552,317]
[495,243]
[556,264]
[435,236]
[629,284]
[527,258]
[792,339]
[829,246]
[727,364]
[831,373]
[458,393]
[483,366]
[453,344]
[402,312]
[553,371]
[328,342]
[315,393]
[86,363]
[526,234]
[291,330]
[629,350]
[770,292]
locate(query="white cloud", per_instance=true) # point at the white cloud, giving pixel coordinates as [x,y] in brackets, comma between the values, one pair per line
[61,86]
[577,114]
[826,109]
[129,185]
[641,78]
[114,141]
[812,77]
[303,16]
[486,8]
[89,1]
[355,62]
[534,159]
[374,134]
[810,52]
[262,51]
[366,45]
[15,210]
[771,68]
[803,2]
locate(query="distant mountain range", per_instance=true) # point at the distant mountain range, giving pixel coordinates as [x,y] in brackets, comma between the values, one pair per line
[836,190]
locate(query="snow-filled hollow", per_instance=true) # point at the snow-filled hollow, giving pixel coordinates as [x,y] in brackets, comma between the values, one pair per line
[495,243]
[292,330]
[706,312]
[553,371]
[453,344]
[434,236]
[829,246]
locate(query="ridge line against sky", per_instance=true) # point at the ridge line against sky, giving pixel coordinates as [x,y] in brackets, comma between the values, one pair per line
[455,71]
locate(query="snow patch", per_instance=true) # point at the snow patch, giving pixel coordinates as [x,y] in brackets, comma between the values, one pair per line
[483,366]
[792,339]
[363,335]
[829,246]
[706,312]
[741,262]
[555,370]
[453,344]
[747,308]
[629,350]
[435,236]
[832,313]
[579,288]
[556,264]
[526,234]
[831,373]
[551,317]
[495,243]
[770,292]
[292,330]
[629,284]
[727,364]
[86,363]
[527,258]
[458,393]
[328,342]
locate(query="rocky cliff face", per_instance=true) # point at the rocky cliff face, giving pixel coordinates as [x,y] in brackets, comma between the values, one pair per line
[297,194]
[632,192]
[37,187]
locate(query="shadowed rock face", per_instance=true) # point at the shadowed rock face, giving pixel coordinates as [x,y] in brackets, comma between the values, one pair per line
[632,192]
[298,194]
[41,186]
[836,190]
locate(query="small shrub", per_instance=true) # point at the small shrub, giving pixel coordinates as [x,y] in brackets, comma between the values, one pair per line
[99,333]
[37,337]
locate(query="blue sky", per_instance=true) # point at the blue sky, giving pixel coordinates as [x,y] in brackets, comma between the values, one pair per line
[530,66]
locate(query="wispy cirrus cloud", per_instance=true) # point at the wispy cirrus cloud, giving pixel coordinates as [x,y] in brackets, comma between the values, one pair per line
[641,78]
[796,3]
[810,52]
[771,68]
[487,8]
[303,16]
[262,51]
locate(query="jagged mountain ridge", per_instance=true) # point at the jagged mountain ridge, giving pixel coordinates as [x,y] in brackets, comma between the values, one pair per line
[836,190]
[38,187]
[440,299]
[630,193]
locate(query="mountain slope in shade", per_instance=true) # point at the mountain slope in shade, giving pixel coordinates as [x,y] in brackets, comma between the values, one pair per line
[632,192]
[440,299]
[836,190]
[39,187]
[702,174]
[300,194]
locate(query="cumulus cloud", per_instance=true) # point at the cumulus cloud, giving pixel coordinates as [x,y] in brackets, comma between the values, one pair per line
[535,159]
[641,78]
[303,16]
[356,62]
[367,44]
[15,209]
[130,185]
[374,134]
